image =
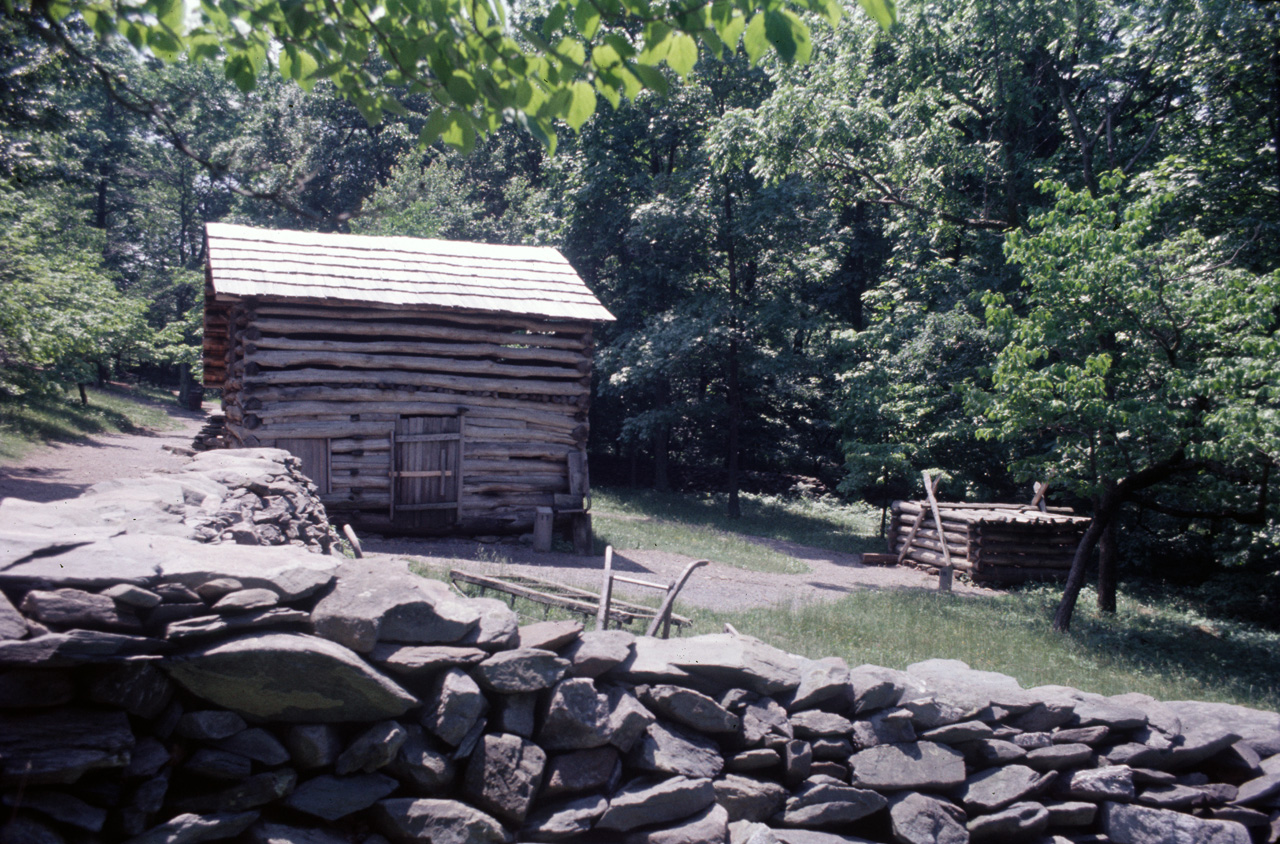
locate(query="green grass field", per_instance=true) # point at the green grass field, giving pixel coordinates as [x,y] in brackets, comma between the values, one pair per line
[32,421]
[1148,646]
[696,525]
[1153,644]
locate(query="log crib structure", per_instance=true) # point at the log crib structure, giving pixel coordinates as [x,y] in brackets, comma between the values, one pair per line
[992,543]
[427,386]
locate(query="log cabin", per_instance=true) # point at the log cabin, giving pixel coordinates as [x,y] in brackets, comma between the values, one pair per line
[427,386]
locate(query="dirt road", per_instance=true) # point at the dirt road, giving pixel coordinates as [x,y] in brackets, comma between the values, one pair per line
[717,586]
[64,470]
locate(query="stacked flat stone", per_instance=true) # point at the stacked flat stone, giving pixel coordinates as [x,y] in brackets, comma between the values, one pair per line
[213,434]
[243,497]
[157,690]
[320,701]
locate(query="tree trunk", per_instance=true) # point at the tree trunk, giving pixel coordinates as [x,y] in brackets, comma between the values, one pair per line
[735,390]
[1274,117]
[735,424]
[1103,514]
[84,397]
[1107,567]
[662,443]
[661,458]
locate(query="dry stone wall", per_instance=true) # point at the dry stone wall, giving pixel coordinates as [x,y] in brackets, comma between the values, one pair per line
[155,689]
[244,497]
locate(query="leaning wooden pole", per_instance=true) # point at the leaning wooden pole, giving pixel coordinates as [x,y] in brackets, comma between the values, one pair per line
[947,572]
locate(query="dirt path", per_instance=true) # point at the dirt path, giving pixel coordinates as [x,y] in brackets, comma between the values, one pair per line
[717,586]
[64,470]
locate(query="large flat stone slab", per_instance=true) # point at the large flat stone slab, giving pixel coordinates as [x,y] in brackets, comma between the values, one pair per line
[289,677]
[966,687]
[61,745]
[144,560]
[920,766]
[385,602]
[736,662]
[1128,824]
[1261,729]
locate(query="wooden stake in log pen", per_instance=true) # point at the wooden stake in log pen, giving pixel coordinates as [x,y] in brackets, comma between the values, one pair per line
[947,572]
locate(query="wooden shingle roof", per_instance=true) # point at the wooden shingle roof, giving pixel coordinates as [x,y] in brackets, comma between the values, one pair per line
[397,271]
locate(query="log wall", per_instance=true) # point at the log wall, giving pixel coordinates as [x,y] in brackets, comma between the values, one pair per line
[994,543]
[518,388]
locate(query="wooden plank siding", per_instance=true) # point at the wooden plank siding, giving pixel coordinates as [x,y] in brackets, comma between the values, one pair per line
[422,411]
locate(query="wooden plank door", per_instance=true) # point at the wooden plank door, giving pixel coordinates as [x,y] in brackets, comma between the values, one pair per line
[426,473]
[314,454]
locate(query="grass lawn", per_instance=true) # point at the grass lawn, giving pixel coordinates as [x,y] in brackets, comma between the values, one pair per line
[1153,644]
[30,422]
[696,525]
[1150,645]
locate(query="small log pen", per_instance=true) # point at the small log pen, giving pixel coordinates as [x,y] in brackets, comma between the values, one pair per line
[1002,544]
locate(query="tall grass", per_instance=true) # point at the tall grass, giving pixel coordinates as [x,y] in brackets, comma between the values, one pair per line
[31,421]
[698,526]
[1155,644]
[1148,645]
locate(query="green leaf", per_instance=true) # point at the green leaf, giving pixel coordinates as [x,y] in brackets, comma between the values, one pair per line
[683,54]
[458,133]
[609,85]
[620,45]
[164,44]
[652,79]
[572,50]
[755,41]
[604,56]
[789,36]
[883,12]
[437,122]
[240,71]
[657,41]
[542,131]
[713,42]
[586,18]
[461,87]
[172,14]
[554,21]
[581,106]
[728,22]
[529,98]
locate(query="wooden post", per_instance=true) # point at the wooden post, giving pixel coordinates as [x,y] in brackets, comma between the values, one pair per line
[663,617]
[350,534]
[946,573]
[911,537]
[582,533]
[1042,487]
[606,591]
[542,529]
[579,480]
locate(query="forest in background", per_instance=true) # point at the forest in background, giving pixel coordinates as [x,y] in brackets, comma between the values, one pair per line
[999,242]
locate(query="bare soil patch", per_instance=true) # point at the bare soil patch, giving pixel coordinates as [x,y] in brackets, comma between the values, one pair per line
[65,470]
